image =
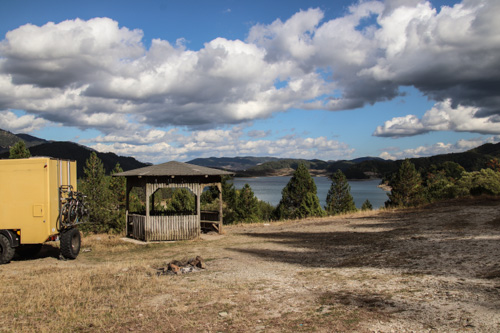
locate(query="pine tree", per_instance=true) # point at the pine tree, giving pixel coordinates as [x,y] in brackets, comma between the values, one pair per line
[19,150]
[117,187]
[367,205]
[339,199]
[98,201]
[183,200]
[299,197]
[406,187]
[247,206]
[228,200]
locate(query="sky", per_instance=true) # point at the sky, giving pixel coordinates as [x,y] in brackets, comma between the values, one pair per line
[163,80]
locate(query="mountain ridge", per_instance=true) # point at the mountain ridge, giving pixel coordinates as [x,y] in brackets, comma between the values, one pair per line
[66,150]
[252,166]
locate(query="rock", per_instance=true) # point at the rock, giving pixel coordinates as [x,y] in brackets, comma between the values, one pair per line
[466,322]
[223,314]
[178,263]
[188,269]
[174,268]
[197,262]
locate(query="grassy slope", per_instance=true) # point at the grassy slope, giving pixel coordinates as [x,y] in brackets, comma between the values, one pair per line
[331,274]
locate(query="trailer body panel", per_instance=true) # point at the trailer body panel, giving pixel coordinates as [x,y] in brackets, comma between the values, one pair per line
[29,196]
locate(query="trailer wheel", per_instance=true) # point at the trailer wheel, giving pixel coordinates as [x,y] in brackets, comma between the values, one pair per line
[6,251]
[28,251]
[70,243]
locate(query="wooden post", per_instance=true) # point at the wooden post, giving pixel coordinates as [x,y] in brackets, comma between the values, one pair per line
[198,204]
[127,204]
[219,187]
[146,224]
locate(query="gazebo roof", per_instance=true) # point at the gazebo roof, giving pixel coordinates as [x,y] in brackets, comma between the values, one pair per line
[174,168]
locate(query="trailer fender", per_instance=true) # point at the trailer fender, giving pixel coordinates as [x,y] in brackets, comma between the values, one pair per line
[11,236]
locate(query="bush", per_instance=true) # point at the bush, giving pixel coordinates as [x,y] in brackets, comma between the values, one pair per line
[486,181]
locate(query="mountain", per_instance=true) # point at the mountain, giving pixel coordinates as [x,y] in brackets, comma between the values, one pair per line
[232,163]
[8,139]
[66,150]
[250,166]
[359,168]
[30,140]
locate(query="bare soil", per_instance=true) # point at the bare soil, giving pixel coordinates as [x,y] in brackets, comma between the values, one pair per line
[435,268]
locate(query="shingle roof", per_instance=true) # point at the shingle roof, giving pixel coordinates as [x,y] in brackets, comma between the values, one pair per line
[174,169]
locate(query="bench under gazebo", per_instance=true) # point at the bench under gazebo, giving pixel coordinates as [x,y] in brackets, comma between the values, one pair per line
[149,226]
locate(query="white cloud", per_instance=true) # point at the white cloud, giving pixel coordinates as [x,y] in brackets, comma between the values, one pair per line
[96,74]
[23,124]
[442,117]
[401,126]
[292,39]
[171,145]
[259,134]
[437,148]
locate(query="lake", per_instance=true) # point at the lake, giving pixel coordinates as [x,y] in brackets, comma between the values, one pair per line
[269,189]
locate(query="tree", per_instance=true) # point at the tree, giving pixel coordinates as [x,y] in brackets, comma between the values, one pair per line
[247,206]
[486,181]
[339,199]
[117,187]
[367,205]
[494,164]
[229,199]
[406,187]
[228,191]
[183,200]
[452,170]
[95,186]
[439,187]
[265,210]
[19,150]
[299,198]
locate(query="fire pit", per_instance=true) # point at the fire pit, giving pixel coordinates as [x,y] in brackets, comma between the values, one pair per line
[182,267]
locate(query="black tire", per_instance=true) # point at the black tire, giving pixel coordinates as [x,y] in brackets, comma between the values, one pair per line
[70,243]
[28,251]
[6,251]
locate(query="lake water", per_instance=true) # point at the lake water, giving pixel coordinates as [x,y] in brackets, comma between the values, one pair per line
[269,189]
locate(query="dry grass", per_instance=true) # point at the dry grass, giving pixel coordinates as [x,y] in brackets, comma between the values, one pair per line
[388,270]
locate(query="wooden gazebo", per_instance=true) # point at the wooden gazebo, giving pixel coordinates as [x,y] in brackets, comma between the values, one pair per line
[149,226]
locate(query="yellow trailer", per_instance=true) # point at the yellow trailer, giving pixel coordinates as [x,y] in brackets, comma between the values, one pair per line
[39,203]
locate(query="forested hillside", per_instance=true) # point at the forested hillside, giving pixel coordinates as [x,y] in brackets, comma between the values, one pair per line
[250,166]
[65,150]
[361,168]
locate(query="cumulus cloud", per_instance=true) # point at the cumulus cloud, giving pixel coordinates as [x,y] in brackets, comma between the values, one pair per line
[97,65]
[218,143]
[442,117]
[437,148]
[23,124]
[97,74]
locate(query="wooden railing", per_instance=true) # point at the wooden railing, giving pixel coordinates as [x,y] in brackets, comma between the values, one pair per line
[210,221]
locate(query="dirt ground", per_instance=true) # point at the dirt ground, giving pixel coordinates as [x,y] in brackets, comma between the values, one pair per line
[435,268]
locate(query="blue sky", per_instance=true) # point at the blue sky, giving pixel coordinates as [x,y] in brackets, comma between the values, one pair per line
[172,80]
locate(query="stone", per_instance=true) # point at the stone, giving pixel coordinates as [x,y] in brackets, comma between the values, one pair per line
[174,268]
